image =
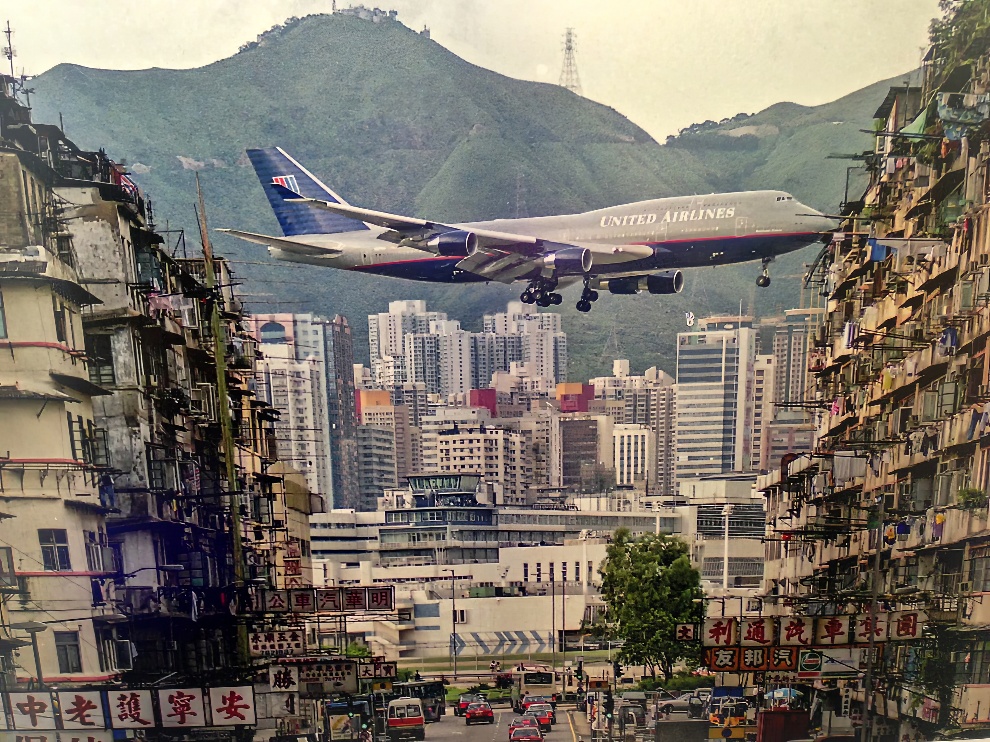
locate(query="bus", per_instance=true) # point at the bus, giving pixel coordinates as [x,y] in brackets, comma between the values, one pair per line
[528,684]
[433,694]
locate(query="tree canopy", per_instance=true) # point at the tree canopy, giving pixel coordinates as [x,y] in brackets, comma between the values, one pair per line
[649,586]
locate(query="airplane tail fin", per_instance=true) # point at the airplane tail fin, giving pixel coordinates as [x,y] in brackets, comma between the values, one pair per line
[276,168]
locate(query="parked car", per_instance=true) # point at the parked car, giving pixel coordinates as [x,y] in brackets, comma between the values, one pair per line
[478,713]
[466,700]
[675,703]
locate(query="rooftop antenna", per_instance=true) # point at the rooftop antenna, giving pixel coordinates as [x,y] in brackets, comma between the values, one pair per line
[569,74]
[8,50]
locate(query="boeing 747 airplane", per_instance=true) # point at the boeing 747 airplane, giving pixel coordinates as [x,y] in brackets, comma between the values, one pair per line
[620,249]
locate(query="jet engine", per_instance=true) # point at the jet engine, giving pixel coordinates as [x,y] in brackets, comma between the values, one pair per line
[456,243]
[670,282]
[569,261]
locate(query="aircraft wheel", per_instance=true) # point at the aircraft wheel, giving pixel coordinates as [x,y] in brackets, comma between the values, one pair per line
[592,296]
[584,305]
[545,301]
[556,299]
[526,297]
[763,281]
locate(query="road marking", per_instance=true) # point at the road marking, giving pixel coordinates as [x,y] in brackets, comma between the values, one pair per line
[570,723]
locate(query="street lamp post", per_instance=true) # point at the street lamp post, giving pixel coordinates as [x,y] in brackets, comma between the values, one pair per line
[453,610]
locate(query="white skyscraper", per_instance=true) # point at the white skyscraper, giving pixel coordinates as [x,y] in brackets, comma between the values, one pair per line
[543,343]
[716,387]
[292,377]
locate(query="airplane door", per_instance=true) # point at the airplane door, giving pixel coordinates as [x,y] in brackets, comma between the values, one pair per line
[743,225]
[661,233]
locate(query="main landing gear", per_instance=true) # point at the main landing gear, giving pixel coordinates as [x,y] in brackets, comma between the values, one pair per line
[763,280]
[587,296]
[541,292]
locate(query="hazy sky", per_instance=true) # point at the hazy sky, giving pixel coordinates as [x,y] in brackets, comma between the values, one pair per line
[663,63]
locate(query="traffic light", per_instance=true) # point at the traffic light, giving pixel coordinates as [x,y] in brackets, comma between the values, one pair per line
[350,709]
[617,670]
[579,672]
[608,704]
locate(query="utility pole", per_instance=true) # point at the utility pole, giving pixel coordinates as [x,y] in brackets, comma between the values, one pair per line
[569,73]
[453,610]
[226,429]
[553,627]
[866,731]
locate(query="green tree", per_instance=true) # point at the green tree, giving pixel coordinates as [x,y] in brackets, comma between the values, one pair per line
[357,650]
[649,586]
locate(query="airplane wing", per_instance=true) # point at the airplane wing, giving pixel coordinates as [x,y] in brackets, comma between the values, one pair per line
[409,226]
[499,256]
[283,243]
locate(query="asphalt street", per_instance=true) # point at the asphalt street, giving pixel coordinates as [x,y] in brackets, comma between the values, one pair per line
[451,728]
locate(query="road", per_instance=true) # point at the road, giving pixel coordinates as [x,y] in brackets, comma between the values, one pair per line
[451,728]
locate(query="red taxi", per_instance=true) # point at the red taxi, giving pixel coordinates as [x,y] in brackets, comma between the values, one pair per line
[478,713]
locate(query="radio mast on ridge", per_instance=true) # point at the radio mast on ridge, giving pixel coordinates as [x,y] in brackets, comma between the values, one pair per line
[569,74]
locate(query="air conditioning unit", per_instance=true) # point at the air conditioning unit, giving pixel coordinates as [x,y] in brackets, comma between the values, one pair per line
[124,652]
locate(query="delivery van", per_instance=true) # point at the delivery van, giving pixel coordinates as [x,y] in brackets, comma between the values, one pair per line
[405,720]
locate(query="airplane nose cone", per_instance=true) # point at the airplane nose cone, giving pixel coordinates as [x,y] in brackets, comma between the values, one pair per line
[815,221]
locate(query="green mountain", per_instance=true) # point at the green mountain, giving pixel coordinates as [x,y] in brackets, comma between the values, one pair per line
[394,121]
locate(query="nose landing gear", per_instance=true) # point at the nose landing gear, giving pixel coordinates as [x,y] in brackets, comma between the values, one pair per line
[763,280]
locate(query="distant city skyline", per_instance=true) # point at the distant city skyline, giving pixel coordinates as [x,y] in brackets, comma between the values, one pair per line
[663,64]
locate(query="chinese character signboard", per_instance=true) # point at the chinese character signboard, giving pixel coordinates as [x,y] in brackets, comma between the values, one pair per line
[276,601]
[277,643]
[182,707]
[719,632]
[862,625]
[756,632]
[754,659]
[325,599]
[783,659]
[340,675]
[131,709]
[722,659]
[796,631]
[81,710]
[686,632]
[283,677]
[832,630]
[232,706]
[906,625]
[32,711]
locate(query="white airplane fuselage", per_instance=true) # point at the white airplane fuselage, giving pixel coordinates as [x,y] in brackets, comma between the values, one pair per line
[629,239]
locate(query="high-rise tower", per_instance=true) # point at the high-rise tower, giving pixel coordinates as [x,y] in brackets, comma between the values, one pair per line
[569,73]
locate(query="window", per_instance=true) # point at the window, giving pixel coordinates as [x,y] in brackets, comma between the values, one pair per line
[59,312]
[54,549]
[525,572]
[100,355]
[67,648]
[3,319]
